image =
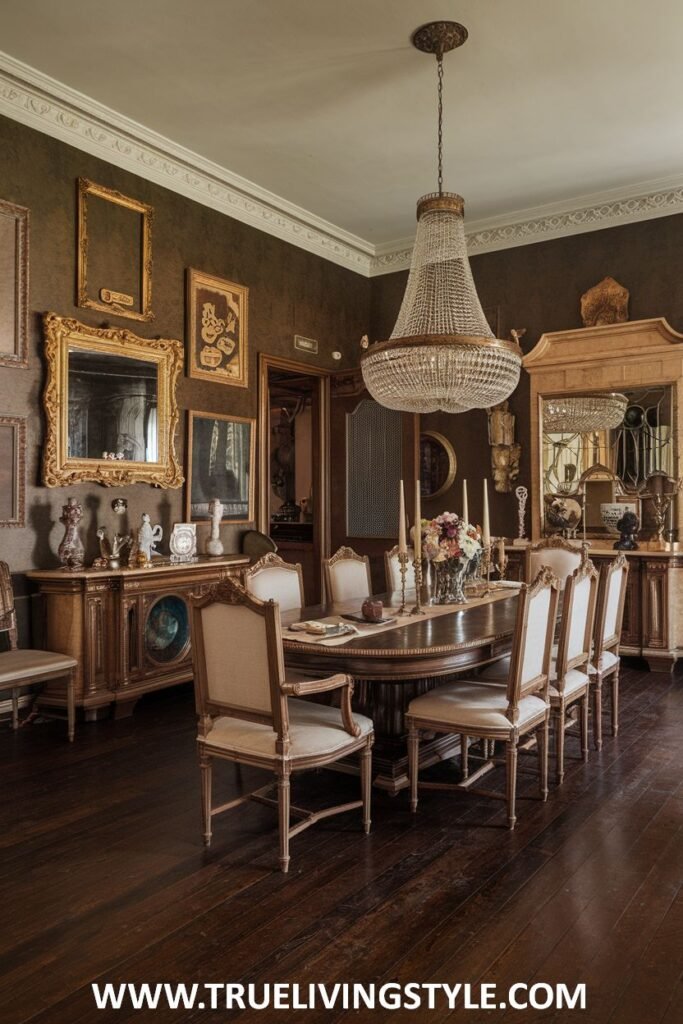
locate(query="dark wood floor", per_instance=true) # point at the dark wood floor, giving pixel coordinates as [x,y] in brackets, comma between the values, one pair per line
[103,877]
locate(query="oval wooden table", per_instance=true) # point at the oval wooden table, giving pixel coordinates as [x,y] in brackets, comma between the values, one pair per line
[392,667]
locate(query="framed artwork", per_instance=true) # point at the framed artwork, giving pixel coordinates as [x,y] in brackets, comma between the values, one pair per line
[220,465]
[12,471]
[217,334]
[114,271]
[13,285]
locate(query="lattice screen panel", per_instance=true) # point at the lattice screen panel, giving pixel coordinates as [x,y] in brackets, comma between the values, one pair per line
[373,470]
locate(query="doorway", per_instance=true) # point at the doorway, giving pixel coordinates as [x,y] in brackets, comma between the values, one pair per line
[294,506]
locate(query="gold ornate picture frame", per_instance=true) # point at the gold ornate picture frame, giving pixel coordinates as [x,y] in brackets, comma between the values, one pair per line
[109,297]
[66,338]
[217,329]
[221,460]
[13,285]
[12,471]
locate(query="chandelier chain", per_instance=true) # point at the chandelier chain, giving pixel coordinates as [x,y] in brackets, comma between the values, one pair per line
[439,64]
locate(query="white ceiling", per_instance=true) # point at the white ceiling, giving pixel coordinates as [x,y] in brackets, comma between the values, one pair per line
[326,104]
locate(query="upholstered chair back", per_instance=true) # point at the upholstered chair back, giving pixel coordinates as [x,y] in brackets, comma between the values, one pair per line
[562,556]
[237,654]
[610,605]
[272,579]
[392,569]
[578,618]
[347,576]
[533,638]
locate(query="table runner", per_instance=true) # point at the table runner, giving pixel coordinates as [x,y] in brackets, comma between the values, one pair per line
[370,629]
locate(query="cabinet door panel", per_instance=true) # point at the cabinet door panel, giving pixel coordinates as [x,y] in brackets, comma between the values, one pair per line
[655,605]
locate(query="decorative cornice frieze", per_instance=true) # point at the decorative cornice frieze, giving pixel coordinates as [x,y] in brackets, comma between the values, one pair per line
[41,102]
[604,210]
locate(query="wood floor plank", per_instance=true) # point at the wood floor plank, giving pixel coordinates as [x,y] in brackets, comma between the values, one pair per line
[103,876]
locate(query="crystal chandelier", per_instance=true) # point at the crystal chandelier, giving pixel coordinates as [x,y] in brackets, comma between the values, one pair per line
[581,414]
[442,354]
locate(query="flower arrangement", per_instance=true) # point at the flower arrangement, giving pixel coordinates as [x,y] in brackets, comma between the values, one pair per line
[449,536]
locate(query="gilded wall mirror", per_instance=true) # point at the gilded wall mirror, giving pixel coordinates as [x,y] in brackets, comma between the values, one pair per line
[438,464]
[110,402]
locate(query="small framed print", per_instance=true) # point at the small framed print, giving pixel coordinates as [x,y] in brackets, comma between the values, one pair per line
[114,252]
[13,285]
[217,329]
[12,471]
[221,452]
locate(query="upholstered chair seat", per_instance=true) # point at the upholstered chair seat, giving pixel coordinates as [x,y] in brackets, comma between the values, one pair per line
[574,682]
[492,712]
[315,730]
[607,661]
[465,706]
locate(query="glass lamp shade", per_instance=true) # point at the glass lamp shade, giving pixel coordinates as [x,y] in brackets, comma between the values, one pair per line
[580,414]
[442,354]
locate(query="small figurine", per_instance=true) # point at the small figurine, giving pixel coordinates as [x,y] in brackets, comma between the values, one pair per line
[628,526]
[214,545]
[110,554]
[119,506]
[71,552]
[148,538]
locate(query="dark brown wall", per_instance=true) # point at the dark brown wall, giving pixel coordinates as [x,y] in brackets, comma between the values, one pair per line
[539,287]
[291,291]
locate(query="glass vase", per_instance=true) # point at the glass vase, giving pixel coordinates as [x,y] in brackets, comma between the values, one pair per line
[449,581]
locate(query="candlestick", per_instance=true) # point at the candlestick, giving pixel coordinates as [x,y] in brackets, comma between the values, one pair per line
[402,546]
[417,609]
[403,567]
[486,529]
[465,506]
[521,494]
[417,542]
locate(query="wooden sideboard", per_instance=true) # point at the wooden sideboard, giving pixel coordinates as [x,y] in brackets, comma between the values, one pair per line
[653,611]
[129,629]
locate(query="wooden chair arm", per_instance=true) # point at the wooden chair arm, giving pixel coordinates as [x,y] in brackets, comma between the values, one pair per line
[303,687]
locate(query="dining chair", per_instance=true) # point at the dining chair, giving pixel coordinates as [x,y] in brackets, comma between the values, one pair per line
[569,675]
[392,570]
[569,678]
[604,661]
[347,575]
[248,713]
[563,557]
[20,668]
[493,712]
[271,577]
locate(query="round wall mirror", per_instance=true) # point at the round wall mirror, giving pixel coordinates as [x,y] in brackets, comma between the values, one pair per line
[437,464]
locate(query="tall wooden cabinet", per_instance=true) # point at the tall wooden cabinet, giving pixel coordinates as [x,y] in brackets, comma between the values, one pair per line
[128,629]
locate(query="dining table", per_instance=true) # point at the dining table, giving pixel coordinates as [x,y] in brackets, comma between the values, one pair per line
[394,662]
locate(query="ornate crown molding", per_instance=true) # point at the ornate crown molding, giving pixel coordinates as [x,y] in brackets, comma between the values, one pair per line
[41,102]
[659,198]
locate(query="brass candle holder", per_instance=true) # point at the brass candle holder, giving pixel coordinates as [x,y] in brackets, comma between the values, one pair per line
[403,568]
[487,565]
[417,609]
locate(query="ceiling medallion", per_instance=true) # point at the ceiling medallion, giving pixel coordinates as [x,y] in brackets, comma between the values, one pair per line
[442,354]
